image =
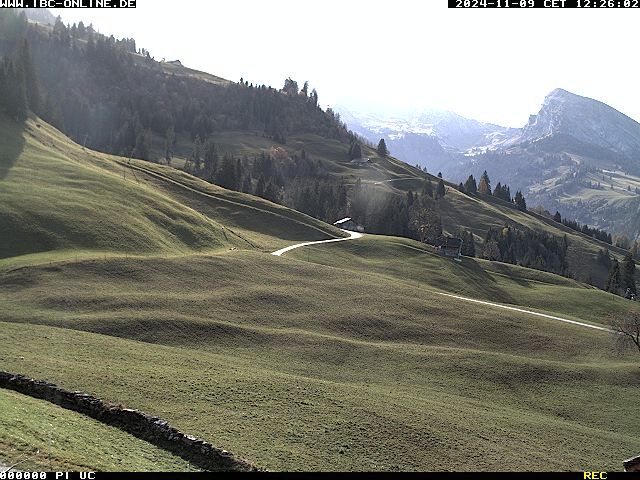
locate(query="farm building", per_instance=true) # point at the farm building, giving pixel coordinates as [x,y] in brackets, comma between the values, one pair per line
[349,224]
[450,247]
[346,224]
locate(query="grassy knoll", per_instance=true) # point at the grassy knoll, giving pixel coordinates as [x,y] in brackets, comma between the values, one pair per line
[51,202]
[42,436]
[295,365]
[61,201]
[416,264]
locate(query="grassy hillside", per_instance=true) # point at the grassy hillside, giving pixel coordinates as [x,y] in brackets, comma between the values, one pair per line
[41,436]
[339,357]
[300,366]
[474,213]
[61,201]
[296,365]
[416,264]
[614,205]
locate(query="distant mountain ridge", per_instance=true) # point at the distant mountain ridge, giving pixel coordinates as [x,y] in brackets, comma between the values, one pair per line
[587,120]
[576,155]
[433,134]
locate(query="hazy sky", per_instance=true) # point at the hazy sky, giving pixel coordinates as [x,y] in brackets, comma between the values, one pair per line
[493,65]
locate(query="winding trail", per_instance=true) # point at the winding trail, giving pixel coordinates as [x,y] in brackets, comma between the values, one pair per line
[522,310]
[352,236]
[395,180]
[355,235]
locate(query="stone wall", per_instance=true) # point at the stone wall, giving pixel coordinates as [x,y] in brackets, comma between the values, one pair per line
[144,426]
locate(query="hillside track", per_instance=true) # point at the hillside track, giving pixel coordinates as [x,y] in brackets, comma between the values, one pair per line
[355,235]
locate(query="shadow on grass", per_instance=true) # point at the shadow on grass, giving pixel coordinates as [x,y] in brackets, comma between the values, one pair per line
[482,281]
[11,146]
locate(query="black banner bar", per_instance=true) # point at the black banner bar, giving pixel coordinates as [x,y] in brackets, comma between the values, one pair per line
[589,475]
[67,3]
[585,4]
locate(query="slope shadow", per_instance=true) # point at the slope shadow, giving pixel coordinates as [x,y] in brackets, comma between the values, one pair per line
[11,147]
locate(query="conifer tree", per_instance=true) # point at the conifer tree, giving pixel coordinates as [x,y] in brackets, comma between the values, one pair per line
[471,245]
[440,189]
[470,185]
[382,148]
[484,187]
[14,94]
[614,280]
[520,202]
[260,187]
[628,274]
[355,151]
[30,78]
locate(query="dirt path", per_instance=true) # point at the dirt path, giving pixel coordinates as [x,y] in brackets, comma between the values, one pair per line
[395,180]
[355,235]
[352,236]
[522,310]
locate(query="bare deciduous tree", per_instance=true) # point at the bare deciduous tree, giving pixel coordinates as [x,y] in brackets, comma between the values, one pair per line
[627,331]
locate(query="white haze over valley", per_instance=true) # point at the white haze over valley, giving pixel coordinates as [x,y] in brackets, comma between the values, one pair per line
[493,65]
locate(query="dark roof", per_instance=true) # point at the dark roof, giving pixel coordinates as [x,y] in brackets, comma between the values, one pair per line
[343,221]
[450,242]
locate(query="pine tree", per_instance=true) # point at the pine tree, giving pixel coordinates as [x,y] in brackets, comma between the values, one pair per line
[471,245]
[628,274]
[440,190]
[30,78]
[520,202]
[260,187]
[169,140]
[246,183]
[614,280]
[427,189]
[497,192]
[142,148]
[14,96]
[194,164]
[382,148]
[3,86]
[468,245]
[272,193]
[227,175]
[409,198]
[470,185]
[484,187]
[557,217]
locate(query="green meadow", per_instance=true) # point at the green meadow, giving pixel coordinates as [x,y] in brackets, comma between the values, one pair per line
[147,287]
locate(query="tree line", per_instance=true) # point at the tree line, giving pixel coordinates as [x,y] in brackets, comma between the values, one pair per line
[528,248]
[19,89]
[503,192]
[102,92]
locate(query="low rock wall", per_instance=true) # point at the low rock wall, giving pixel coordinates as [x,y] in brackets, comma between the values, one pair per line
[146,427]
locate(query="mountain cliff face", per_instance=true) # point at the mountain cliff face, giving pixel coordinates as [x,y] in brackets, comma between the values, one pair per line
[576,155]
[585,120]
